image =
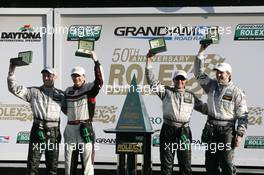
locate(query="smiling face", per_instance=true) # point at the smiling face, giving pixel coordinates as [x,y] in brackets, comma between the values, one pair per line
[48,79]
[78,80]
[223,77]
[179,82]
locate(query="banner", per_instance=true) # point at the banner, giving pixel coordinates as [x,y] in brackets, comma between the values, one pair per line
[122,49]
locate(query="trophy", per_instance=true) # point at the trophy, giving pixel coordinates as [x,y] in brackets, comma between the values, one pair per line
[23,59]
[84,48]
[157,45]
[212,37]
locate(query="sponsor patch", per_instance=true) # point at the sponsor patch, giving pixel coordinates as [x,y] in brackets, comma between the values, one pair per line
[228,95]
[187,98]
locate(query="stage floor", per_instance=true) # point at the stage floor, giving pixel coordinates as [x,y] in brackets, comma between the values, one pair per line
[101,169]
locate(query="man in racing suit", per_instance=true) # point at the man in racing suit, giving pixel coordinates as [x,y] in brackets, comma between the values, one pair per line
[80,110]
[46,104]
[178,104]
[226,106]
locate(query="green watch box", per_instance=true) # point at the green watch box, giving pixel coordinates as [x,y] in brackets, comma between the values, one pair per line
[23,59]
[157,45]
[84,48]
[212,37]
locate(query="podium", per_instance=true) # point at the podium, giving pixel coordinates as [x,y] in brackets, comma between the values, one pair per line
[133,134]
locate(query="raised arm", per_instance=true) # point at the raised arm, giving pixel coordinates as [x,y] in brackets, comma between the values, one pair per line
[18,90]
[157,87]
[203,79]
[99,76]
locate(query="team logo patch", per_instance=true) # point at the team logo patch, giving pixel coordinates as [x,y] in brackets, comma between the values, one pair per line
[228,95]
[187,98]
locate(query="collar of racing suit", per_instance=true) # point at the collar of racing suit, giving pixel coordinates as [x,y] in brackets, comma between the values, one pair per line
[229,83]
[179,90]
[45,88]
[222,86]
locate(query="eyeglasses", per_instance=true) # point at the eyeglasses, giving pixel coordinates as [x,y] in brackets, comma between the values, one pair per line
[178,78]
[75,75]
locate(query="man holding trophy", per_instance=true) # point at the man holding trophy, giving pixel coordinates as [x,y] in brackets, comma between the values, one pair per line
[46,104]
[177,106]
[80,110]
[226,107]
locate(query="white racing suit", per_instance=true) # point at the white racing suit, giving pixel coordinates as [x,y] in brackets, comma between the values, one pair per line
[80,109]
[226,107]
[177,109]
[46,105]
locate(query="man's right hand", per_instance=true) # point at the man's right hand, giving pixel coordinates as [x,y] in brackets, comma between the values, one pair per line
[12,68]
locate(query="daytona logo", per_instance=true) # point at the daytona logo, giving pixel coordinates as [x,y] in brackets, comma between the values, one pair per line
[20,35]
[25,34]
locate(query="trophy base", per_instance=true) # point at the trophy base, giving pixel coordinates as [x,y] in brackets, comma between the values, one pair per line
[158,50]
[83,54]
[20,61]
[209,41]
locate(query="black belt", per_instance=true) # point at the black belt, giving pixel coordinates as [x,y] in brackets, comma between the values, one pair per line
[77,122]
[49,124]
[176,124]
[220,122]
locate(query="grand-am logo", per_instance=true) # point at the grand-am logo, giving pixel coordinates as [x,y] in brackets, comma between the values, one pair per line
[107,141]
[26,34]
[179,32]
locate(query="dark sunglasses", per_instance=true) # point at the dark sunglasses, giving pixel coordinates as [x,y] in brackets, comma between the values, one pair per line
[75,75]
[179,78]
